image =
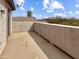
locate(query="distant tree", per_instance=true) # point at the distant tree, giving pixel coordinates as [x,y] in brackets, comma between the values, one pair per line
[29,13]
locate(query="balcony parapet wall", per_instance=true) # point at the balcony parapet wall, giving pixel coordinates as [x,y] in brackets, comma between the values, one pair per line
[63,36]
[22,26]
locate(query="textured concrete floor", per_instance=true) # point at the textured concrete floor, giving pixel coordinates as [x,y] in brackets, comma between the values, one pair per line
[26,45]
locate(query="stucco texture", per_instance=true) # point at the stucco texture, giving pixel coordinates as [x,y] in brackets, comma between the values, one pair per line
[64,37]
[22,26]
[3,25]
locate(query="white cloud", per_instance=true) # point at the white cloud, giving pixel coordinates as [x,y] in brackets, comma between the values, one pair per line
[20,3]
[70,12]
[52,5]
[31,8]
[49,11]
[56,5]
[22,8]
[40,15]
[45,4]
[77,5]
[77,12]
[46,17]
[60,14]
[34,15]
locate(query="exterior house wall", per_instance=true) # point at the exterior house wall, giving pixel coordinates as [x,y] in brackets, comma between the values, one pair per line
[9,22]
[3,25]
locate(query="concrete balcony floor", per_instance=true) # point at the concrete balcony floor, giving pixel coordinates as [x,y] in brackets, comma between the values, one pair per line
[29,45]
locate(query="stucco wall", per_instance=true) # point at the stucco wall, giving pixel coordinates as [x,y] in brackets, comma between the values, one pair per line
[65,37]
[22,26]
[24,19]
[3,25]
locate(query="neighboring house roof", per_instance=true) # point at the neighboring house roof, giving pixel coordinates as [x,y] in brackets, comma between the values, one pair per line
[11,3]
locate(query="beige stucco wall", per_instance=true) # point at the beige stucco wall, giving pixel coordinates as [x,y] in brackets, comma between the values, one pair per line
[65,37]
[24,19]
[3,25]
[22,26]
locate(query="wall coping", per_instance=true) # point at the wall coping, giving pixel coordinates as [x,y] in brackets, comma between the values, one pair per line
[60,25]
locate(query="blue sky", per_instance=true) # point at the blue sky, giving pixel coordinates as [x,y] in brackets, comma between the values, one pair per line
[47,8]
